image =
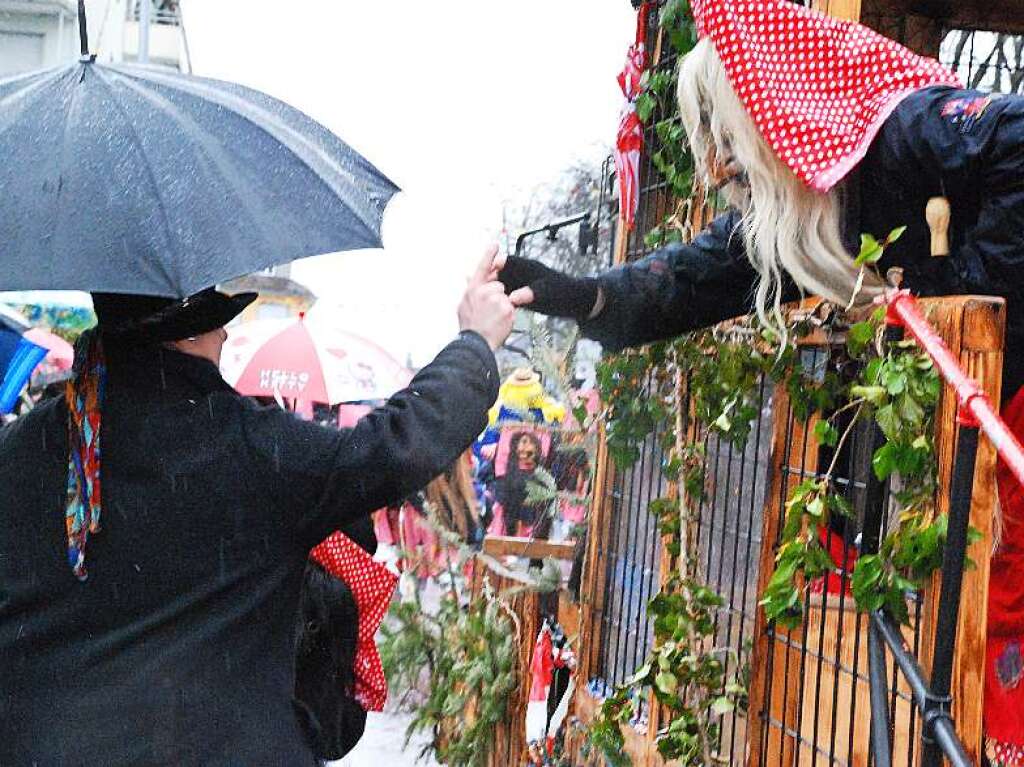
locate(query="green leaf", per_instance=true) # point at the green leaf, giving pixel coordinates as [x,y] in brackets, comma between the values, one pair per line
[870,251]
[826,433]
[894,235]
[859,336]
[871,372]
[722,423]
[722,705]
[876,395]
[641,675]
[645,104]
[816,508]
[889,422]
[666,682]
[840,505]
[910,411]
[884,461]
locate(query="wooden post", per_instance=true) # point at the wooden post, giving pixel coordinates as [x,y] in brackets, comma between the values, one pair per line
[973,328]
[841,9]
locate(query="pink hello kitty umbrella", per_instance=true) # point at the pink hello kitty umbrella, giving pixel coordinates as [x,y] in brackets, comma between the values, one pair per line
[309,361]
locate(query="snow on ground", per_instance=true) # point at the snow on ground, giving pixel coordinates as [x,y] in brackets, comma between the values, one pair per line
[382,744]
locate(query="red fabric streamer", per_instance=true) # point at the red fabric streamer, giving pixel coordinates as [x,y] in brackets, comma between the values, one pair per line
[629,141]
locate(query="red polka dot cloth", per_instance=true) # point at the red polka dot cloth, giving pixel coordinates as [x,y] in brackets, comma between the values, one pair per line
[372,585]
[818,88]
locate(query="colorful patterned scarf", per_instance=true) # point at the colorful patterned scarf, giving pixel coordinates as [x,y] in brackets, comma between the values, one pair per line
[84,395]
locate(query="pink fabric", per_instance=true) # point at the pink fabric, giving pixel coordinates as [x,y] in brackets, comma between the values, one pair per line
[59,353]
[372,585]
[382,528]
[349,415]
[817,88]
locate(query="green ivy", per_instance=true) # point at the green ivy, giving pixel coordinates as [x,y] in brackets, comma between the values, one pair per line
[468,656]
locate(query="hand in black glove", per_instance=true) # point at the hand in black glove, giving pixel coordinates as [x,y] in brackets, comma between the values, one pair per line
[529,283]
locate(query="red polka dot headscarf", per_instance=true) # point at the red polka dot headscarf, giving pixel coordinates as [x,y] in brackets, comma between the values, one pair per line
[817,88]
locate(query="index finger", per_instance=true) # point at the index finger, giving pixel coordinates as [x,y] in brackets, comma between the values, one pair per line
[483,269]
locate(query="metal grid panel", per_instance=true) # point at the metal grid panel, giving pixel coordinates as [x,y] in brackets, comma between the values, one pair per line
[985,60]
[632,561]
[814,709]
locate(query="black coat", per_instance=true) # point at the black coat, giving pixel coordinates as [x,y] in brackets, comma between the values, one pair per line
[179,648]
[934,143]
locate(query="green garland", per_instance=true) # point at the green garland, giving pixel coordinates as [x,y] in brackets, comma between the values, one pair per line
[897,388]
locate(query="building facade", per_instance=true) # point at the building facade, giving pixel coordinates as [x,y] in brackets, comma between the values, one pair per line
[38,34]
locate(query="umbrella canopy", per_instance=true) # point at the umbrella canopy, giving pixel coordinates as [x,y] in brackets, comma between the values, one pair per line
[132,179]
[18,358]
[310,361]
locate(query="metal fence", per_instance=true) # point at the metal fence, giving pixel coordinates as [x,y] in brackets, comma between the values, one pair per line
[814,704]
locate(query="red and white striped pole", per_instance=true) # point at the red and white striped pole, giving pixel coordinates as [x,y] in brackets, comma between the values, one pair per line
[975,407]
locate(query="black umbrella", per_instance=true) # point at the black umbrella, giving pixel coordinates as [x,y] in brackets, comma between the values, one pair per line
[135,179]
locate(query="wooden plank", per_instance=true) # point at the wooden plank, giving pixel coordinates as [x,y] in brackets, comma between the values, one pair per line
[762,659]
[840,9]
[592,590]
[511,546]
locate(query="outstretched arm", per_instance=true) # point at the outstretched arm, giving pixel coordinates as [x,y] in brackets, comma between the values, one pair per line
[677,288]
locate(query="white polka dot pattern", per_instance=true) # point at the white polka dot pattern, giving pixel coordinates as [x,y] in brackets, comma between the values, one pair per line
[818,88]
[372,585]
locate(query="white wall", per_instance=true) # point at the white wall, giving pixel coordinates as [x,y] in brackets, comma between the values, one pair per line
[35,35]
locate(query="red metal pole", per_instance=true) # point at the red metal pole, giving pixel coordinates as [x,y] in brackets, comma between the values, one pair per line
[975,407]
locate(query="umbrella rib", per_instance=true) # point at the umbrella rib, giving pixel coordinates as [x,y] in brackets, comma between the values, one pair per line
[305,151]
[175,283]
[7,100]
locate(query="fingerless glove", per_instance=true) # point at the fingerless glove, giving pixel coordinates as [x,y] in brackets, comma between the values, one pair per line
[554,293]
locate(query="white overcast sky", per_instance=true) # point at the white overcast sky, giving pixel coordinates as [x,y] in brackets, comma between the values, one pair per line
[463,104]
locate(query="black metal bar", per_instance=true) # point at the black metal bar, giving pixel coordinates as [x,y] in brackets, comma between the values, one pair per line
[953,556]
[83,29]
[937,721]
[881,746]
[871,535]
[551,230]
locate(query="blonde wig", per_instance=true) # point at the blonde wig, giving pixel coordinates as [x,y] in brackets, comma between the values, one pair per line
[786,226]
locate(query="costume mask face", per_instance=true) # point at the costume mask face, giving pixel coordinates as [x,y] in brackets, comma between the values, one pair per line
[526,455]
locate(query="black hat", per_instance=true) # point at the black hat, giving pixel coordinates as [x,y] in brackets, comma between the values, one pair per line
[154,319]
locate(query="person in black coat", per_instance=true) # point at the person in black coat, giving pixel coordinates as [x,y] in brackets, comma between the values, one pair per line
[924,149]
[783,238]
[162,632]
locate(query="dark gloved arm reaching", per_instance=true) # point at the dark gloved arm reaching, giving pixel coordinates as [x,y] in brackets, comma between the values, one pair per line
[680,287]
[546,291]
